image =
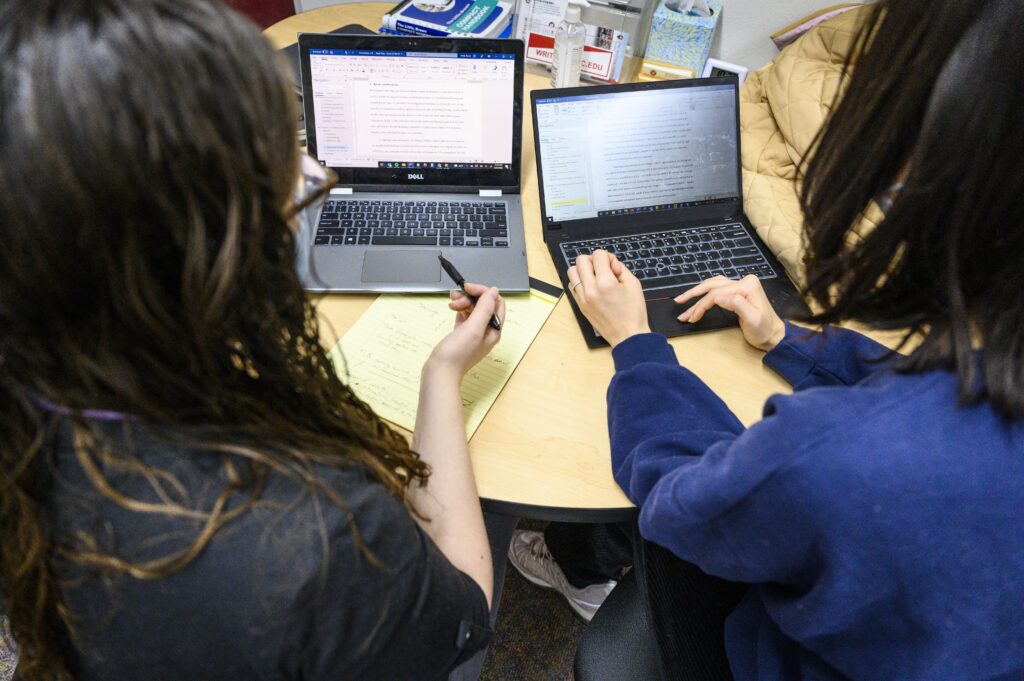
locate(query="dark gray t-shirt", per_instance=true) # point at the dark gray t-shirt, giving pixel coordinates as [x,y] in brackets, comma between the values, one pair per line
[281,593]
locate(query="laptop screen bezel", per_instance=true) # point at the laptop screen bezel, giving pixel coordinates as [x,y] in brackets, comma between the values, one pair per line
[604,222]
[433,179]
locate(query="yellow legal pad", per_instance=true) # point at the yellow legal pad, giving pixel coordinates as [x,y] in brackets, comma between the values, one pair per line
[381,355]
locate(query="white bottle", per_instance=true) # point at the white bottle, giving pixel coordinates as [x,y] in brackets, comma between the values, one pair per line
[569,38]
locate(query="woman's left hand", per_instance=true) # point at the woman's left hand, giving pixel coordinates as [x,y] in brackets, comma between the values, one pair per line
[609,296]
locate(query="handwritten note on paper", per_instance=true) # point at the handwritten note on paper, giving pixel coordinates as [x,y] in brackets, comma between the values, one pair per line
[381,355]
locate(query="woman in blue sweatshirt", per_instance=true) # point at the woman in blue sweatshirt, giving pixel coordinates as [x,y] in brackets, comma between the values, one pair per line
[878,511]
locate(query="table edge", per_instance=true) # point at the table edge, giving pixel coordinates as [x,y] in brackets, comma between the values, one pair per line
[560,514]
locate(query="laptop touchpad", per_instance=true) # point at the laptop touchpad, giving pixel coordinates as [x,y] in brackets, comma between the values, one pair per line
[402,267]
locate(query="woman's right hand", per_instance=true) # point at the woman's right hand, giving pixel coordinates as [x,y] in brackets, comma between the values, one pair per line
[761,326]
[473,336]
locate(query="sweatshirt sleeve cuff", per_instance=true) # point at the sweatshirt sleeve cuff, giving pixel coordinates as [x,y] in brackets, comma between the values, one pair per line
[643,348]
[788,358]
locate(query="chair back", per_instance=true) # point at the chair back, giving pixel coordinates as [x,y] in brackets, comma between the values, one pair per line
[618,644]
[665,621]
[687,610]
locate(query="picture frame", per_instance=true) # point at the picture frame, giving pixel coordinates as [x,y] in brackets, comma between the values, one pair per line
[716,67]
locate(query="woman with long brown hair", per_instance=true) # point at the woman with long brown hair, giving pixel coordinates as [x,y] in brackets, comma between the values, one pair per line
[187,489]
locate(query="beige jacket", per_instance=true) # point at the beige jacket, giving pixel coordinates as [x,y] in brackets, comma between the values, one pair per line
[782,106]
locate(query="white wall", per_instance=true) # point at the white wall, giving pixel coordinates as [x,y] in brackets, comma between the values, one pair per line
[742,36]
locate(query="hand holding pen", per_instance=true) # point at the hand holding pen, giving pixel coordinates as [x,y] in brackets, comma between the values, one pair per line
[479,310]
[460,281]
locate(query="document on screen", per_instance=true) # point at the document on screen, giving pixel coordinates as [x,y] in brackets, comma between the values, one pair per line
[636,149]
[424,120]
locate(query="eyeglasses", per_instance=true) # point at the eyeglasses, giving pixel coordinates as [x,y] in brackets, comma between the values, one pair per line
[317,182]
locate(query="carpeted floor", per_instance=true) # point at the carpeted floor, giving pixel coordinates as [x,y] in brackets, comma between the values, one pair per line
[535,638]
[6,655]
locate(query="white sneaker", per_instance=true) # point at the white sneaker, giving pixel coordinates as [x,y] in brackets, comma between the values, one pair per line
[530,556]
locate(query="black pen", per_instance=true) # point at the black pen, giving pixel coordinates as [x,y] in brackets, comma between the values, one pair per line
[460,281]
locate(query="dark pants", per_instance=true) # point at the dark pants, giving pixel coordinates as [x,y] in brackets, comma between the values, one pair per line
[590,553]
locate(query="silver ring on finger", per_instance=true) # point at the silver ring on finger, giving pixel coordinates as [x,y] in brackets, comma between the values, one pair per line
[572,289]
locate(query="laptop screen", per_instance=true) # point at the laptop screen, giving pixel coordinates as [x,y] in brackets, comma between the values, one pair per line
[389,108]
[637,151]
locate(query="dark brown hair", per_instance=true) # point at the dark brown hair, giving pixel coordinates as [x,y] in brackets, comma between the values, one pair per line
[147,159]
[937,95]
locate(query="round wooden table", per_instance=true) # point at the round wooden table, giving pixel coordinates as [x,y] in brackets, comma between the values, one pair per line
[543,451]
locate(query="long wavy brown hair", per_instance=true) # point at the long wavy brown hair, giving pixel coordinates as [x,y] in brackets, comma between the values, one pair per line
[147,159]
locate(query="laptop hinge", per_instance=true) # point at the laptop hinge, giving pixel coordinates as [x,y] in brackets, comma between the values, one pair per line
[342,190]
[490,192]
[550,228]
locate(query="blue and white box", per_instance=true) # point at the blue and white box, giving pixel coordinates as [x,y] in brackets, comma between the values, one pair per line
[465,18]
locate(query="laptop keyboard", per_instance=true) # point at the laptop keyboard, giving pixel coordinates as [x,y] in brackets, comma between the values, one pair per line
[353,222]
[681,257]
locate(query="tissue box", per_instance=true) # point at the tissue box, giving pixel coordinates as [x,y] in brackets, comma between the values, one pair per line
[679,43]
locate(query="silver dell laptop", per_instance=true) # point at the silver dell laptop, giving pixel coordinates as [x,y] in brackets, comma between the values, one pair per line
[426,136]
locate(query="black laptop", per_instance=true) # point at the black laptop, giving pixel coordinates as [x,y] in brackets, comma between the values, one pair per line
[651,172]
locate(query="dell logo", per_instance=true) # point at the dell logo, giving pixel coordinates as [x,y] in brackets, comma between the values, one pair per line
[415,176]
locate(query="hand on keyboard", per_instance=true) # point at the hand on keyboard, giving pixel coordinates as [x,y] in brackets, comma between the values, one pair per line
[609,296]
[761,326]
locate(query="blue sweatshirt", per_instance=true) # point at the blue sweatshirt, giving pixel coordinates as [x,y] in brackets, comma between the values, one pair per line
[881,524]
